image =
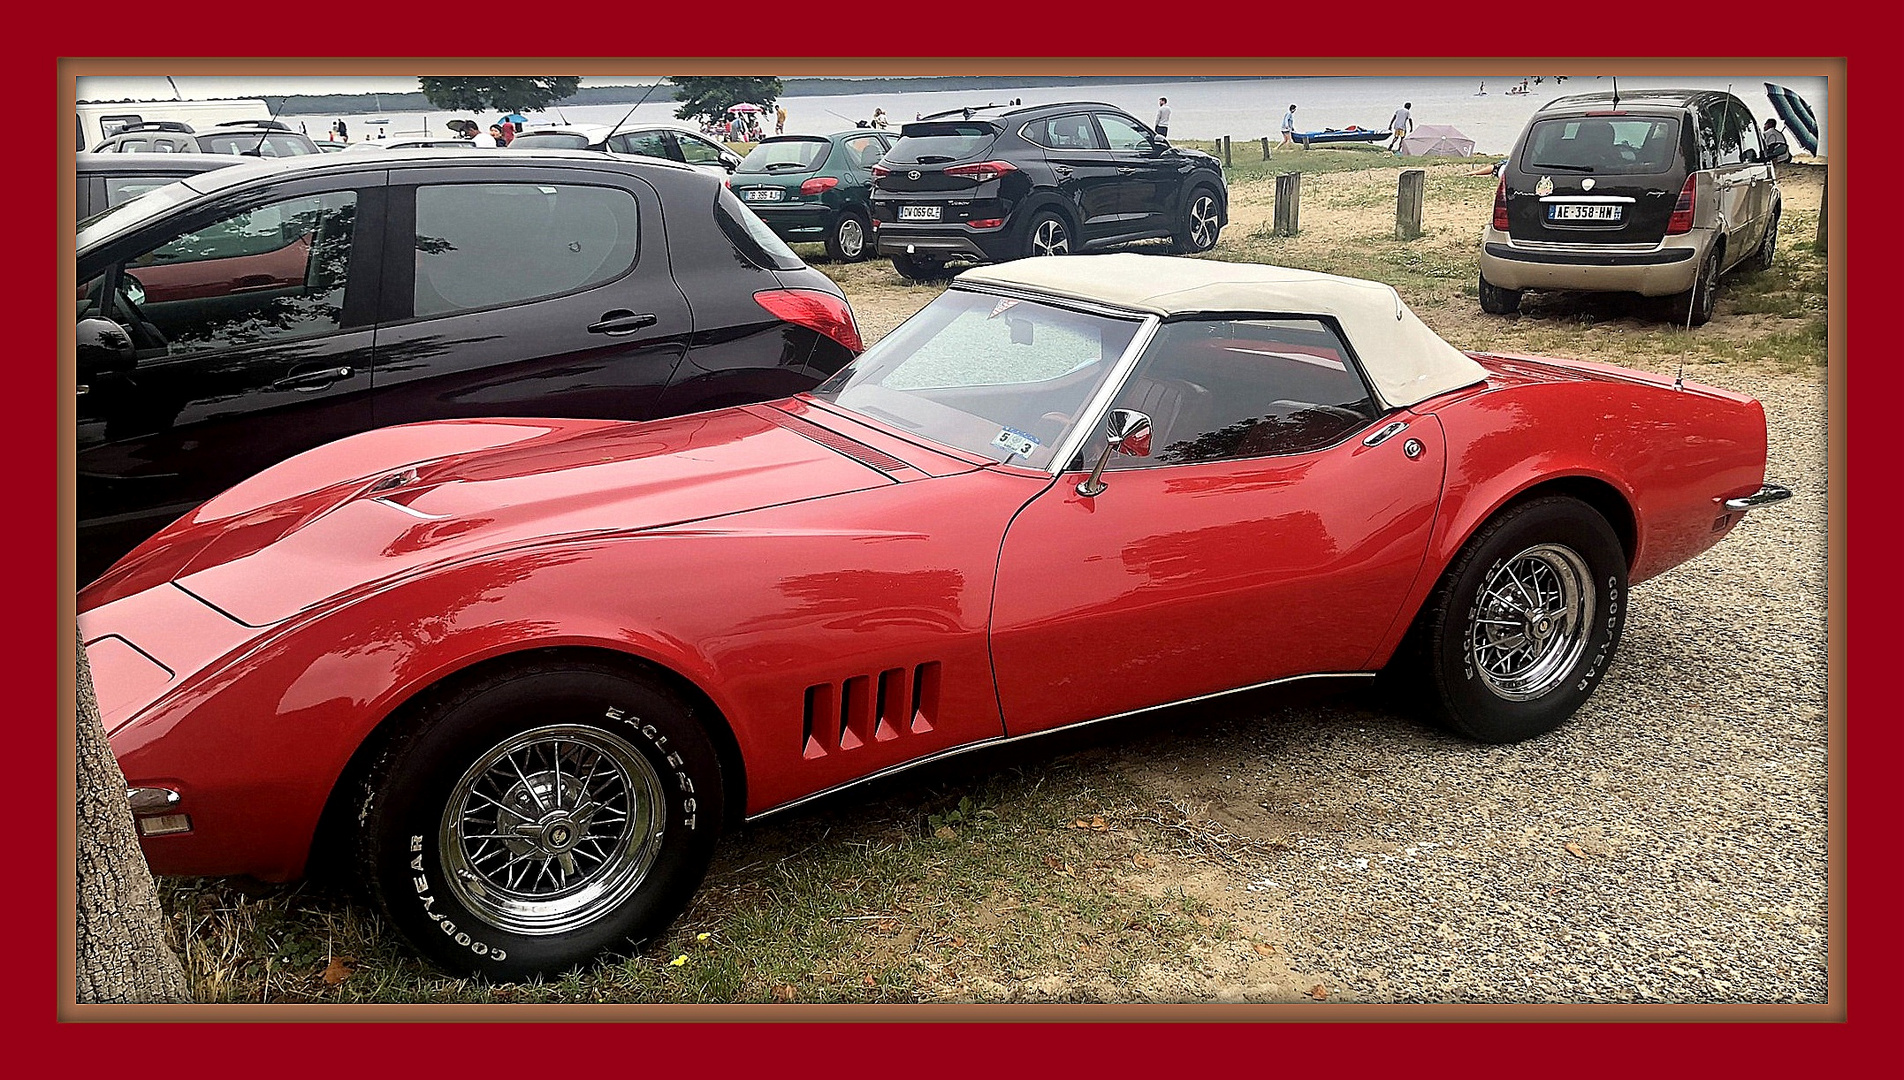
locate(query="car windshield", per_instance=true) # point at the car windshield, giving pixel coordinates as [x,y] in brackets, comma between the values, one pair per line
[987,374]
[786,156]
[1604,145]
[131,213]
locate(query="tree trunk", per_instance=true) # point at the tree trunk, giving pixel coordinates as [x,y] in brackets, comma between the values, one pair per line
[122,955]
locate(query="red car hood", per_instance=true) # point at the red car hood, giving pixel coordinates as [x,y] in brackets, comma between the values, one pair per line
[379,504]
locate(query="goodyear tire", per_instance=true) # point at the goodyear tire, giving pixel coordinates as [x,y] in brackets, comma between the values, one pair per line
[1524,623]
[533,821]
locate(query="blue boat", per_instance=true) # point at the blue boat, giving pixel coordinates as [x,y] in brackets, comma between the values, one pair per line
[1340,135]
[1800,121]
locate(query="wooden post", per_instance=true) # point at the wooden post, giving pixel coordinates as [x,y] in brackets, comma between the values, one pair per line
[1265,148]
[1226,151]
[1288,203]
[1824,200]
[1408,204]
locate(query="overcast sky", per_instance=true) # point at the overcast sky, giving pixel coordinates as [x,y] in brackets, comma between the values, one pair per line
[150,87]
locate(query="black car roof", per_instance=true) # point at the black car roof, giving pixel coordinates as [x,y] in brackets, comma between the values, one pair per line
[212,183]
[1018,110]
[1670,99]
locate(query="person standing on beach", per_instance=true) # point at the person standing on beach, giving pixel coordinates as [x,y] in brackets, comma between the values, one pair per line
[1289,127]
[1163,117]
[780,120]
[1401,123]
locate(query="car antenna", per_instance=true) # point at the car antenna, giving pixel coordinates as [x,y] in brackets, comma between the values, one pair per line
[1679,377]
[1616,91]
[616,126]
[272,118]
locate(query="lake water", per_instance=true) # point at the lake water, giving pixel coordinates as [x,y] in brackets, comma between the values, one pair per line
[1244,109]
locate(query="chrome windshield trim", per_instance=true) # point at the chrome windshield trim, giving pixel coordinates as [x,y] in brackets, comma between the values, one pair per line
[1004,740]
[410,510]
[1764,496]
[1090,417]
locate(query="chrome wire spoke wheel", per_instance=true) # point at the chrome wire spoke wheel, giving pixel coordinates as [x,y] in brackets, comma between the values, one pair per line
[1050,239]
[552,828]
[1203,223]
[1531,621]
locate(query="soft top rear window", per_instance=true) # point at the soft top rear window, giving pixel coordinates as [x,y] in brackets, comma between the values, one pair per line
[927,141]
[1602,145]
[803,154]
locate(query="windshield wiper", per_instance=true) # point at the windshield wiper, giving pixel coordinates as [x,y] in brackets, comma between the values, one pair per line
[784,166]
[1562,165]
[934,159]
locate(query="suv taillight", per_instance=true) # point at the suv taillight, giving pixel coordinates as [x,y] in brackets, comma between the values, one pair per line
[1681,221]
[815,310]
[881,171]
[983,171]
[819,184]
[1500,205]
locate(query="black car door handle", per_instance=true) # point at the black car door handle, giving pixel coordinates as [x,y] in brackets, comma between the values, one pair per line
[1126,169]
[312,380]
[617,323]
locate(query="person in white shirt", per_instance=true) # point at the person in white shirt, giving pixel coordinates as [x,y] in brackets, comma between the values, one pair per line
[488,138]
[1289,127]
[1401,124]
[1163,117]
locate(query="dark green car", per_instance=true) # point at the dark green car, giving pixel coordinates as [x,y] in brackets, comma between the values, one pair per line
[815,188]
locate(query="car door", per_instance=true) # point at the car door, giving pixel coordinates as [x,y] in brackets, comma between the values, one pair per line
[1085,171]
[1732,178]
[1756,178]
[519,290]
[252,324]
[1260,538]
[1148,180]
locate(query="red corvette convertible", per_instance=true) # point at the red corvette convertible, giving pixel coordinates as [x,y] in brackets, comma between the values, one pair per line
[524,671]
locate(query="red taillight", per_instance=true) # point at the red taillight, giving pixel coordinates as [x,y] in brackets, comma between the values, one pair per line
[986,223]
[1500,205]
[815,310]
[880,171]
[819,184]
[1681,221]
[983,171]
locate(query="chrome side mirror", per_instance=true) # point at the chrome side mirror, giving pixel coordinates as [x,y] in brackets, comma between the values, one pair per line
[1128,432]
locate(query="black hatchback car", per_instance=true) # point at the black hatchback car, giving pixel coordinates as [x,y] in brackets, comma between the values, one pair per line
[1657,192]
[241,316]
[997,184]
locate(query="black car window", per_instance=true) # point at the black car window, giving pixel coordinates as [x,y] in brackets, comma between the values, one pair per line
[273,273]
[751,236]
[695,151]
[554,140]
[1072,131]
[1601,145]
[931,141]
[642,143]
[789,155]
[1122,134]
[486,245]
[1220,389]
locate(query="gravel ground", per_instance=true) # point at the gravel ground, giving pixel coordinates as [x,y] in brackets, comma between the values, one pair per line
[1666,845]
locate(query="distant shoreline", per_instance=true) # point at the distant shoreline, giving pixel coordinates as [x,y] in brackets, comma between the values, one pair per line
[797,87]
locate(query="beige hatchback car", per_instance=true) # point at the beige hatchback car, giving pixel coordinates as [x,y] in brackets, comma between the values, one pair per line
[1656,192]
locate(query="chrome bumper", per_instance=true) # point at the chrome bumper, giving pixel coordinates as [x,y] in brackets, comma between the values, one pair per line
[1765,496]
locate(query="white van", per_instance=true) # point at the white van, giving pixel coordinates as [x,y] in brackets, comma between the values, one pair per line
[95,120]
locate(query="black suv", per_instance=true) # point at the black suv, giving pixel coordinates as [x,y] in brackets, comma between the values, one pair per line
[1656,192]
[997,184]
[240,316]
[251,138]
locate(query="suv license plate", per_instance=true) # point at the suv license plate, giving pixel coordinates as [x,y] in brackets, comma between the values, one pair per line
[770,194]
[918,213]
[1584,212]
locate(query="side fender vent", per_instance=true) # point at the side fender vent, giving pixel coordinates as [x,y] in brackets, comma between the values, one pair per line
[833,440]
[869,708]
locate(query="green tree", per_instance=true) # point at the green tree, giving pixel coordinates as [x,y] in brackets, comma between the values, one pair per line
[709,98]
[504,93]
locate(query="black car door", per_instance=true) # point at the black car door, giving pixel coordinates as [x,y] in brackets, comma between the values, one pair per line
[1147,181]
[1086,172]
[526,290]
[251,320]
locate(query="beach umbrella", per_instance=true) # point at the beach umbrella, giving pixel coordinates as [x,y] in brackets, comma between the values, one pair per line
[745,107]
[513,118]
[1797,114]
[1437,140]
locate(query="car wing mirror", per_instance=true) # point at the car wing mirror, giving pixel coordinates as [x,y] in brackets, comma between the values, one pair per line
[1127,432]
[103,346]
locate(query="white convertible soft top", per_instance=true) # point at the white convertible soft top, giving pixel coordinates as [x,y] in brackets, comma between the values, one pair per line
[1407,362]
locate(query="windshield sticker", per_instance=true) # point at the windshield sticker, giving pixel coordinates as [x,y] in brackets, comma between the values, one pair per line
[1001,308]
[1018,442]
